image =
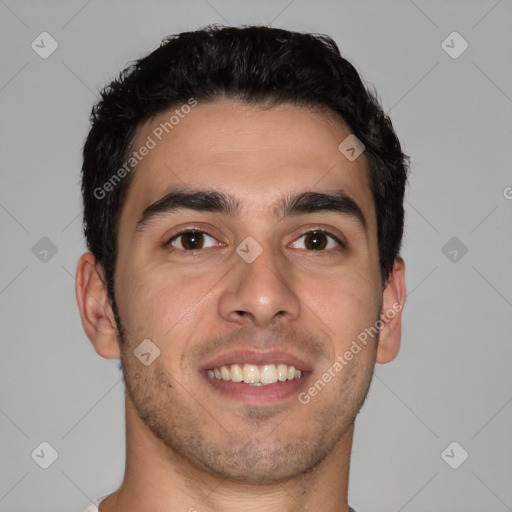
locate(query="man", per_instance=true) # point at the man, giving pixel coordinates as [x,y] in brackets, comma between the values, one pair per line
[243,205]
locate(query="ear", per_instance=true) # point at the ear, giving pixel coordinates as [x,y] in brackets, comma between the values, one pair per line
[97,316]
[393,300]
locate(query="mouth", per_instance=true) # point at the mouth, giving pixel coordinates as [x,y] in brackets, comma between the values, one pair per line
[255,375]
[256,378]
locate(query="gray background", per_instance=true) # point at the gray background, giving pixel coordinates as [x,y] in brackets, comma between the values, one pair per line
[451,381]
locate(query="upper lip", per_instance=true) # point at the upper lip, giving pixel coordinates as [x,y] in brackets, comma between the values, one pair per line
[248,356]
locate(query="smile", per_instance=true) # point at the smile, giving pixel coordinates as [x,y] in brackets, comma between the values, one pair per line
[257,375]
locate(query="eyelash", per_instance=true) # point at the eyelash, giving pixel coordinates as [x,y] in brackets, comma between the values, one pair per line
[311,231]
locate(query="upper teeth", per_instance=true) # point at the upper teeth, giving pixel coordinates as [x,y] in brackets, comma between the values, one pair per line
[253,374]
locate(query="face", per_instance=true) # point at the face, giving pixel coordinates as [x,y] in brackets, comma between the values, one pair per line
[252,297]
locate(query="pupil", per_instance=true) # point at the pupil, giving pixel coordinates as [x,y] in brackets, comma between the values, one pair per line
[192,240]
[317,241]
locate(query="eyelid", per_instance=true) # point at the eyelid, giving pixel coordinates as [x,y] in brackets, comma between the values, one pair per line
[185,228]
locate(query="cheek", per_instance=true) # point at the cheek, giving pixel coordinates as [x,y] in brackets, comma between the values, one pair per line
[346,303]
[159,302]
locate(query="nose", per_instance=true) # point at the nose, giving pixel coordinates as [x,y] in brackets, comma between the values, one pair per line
[260,292]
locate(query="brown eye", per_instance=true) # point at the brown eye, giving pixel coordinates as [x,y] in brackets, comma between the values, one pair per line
[317,241]
[191,240]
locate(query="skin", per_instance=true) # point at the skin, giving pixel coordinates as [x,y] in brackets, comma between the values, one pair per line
[188,446]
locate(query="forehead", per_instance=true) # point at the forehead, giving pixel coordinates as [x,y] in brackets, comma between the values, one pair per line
[255,154]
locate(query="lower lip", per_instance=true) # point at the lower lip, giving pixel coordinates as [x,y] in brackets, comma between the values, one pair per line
[249,394]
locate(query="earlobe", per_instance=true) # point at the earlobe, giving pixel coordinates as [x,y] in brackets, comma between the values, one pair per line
[393,300]
[95,310]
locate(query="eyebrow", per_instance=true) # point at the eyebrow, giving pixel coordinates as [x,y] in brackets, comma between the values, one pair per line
[337,201]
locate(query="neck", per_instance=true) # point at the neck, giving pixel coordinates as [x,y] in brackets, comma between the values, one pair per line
[157,478]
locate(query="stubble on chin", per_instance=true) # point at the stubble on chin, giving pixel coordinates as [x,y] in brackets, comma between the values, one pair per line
[242,454]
